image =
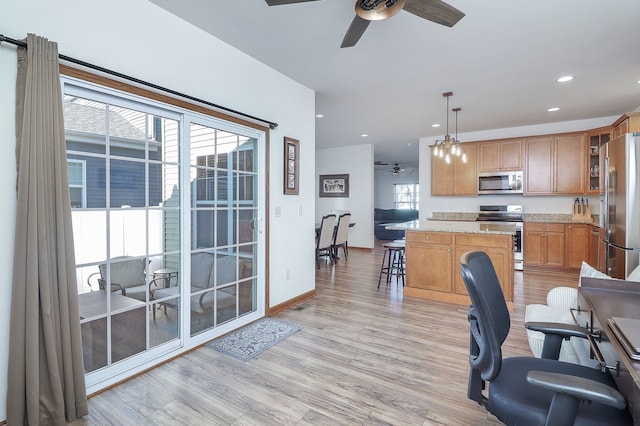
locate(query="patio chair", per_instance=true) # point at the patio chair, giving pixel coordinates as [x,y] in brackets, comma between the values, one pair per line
[128,276]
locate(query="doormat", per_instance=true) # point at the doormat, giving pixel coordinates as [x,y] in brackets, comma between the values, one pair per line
[253,339]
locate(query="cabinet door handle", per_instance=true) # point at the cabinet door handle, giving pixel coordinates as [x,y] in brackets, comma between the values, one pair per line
[427,238]
[448,250]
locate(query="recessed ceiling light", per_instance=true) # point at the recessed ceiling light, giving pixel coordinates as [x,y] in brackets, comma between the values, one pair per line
[364,135]
[319,115]
[565,78]
[553,109]
[435,125]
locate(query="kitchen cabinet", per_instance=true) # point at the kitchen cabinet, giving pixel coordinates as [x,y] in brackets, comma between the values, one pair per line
[629,122]
[455,178]
[433,263]
[500,155]
[577,243]
[434,249]
[559,245]
[596,158]
[544,244]
[555,164]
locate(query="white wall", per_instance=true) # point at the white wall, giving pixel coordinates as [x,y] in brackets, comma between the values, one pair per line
[149,43]
[357,161]
[384,181]
[533,204]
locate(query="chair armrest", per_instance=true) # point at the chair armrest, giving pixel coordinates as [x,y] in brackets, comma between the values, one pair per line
[554,334]
[95,274]
[578,387]
[153,285]
[564,330]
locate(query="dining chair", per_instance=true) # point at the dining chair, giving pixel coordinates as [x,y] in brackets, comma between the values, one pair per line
[341,236]
[324,242]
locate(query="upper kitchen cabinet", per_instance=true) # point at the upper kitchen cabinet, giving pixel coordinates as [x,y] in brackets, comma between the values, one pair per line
[555,164]
[629,122]
[595,160]
[455,178]
[500,155]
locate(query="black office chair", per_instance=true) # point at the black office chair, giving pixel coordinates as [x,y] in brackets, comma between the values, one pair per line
[523,390]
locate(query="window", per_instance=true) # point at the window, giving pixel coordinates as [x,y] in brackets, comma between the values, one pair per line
[77,178]
[406,196]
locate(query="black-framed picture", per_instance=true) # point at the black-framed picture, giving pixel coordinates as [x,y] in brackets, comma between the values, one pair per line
[291,165]
[334,185]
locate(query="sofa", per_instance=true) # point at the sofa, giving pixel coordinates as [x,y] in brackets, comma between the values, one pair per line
[382,217]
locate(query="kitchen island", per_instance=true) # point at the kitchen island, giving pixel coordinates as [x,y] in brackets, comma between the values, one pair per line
[433,251]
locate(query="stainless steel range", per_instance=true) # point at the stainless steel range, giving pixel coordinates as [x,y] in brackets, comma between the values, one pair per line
[507,214]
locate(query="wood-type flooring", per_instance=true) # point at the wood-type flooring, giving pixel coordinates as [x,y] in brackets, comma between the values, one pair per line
[365,356]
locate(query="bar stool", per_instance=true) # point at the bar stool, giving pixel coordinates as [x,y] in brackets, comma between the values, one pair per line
[392,262]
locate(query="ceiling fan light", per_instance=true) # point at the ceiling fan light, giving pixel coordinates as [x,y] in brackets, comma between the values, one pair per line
[383,10]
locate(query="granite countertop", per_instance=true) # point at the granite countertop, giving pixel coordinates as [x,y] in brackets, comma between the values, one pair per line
[467,227]
[527,217]
[560,218]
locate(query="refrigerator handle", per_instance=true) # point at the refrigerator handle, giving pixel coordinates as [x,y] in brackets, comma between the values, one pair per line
[606,198]
[605,211]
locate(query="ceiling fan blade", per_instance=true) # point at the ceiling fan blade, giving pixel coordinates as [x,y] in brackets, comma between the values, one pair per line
[355,31]
[279,2]
[435,11]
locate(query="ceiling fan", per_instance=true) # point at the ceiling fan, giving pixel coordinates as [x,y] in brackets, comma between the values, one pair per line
[396,169]
[374,10]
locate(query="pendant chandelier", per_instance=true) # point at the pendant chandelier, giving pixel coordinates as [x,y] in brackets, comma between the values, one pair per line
[450,147]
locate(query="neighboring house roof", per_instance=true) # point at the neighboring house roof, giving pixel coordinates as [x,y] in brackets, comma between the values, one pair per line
[80,117]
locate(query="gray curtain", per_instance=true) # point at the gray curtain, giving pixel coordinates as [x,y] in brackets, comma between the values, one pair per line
[46,373]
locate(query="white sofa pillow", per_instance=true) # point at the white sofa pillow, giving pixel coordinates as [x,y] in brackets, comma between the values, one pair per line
[587,270]
[634,275]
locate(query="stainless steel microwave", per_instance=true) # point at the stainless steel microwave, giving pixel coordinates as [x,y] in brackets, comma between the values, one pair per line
[500,183]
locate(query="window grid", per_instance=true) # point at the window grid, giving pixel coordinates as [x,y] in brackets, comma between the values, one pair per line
[406,196]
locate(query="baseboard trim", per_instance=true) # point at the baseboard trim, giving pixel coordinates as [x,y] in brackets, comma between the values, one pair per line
[291,302]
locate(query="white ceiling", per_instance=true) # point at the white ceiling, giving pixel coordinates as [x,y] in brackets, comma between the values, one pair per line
[501,61]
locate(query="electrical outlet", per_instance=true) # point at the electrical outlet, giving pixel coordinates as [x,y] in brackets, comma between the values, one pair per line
[299,210]
[277,211]
[287,275]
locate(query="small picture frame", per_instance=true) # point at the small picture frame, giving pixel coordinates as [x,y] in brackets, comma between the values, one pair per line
[291,166]
[334,186]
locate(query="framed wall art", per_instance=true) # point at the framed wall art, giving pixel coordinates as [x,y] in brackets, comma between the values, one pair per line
[291,165]
[334,185]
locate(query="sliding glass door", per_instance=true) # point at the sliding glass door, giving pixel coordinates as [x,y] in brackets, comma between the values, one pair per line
[167,207]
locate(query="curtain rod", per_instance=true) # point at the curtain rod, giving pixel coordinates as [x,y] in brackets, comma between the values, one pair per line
[21,43]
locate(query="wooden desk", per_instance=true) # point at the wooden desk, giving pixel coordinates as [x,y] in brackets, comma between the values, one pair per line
[598,301]
[128,330]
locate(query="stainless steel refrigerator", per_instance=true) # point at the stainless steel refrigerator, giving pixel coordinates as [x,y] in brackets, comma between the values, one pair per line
[622,204]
